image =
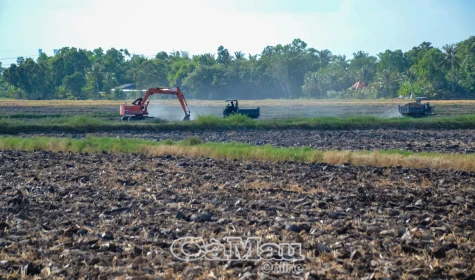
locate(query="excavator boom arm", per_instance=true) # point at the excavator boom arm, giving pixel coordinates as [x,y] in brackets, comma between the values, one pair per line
[174,91]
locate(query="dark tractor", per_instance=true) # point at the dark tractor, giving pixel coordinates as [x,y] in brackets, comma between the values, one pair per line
[416,109]
[233,108]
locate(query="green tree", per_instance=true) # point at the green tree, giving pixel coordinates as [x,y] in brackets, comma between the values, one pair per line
[74,84]
[314,85]
[179,68]
[365,74]
[151,73]
[108,83]
[388,83]
[114,63]
[466,53]
[239,55]
[450,63]
[324,57]
[394,61]
[417,53]
[223,56]
[341,62]
[430,74]
[281,71]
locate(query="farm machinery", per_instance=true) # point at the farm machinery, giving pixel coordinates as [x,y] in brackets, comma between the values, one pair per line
[138,109]
[232,109]
[416,109]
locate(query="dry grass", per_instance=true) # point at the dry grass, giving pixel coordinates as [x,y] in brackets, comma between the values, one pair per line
[376,158]
[230,151]
[435,161]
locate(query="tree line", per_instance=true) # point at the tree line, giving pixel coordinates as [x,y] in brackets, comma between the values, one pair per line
[282,71]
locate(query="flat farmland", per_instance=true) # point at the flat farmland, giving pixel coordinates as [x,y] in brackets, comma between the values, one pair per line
[110,201]
[270,109]
[69,215]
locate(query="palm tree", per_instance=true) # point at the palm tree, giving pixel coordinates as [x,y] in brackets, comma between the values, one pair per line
[387,82]
[450,62]
[314,85]
[252,57]
[360,54]
[341,62]
[409,76]
[365,74]
[239,55]
[324,57]
[96,72]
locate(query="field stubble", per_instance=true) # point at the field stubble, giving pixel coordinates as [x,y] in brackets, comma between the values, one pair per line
[103,215]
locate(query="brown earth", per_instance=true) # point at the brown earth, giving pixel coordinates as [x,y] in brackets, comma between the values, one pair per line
[446,141]
[102,215]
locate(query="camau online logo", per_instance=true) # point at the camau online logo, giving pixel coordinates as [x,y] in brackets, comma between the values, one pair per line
[234,249]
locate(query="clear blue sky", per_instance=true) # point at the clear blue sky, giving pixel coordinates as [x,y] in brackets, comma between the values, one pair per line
[200,26]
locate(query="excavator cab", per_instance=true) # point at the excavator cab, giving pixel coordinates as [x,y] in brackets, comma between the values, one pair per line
[138,101]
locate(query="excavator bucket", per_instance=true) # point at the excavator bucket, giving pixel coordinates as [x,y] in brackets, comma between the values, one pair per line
[186,118]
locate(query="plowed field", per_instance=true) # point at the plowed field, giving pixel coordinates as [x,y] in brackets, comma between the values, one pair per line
[102,215]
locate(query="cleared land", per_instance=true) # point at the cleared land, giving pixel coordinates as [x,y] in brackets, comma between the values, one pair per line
[270,109]
[346,189]
[102,215]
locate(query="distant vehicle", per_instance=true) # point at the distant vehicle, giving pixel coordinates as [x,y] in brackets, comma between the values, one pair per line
[233,108]
[416,109]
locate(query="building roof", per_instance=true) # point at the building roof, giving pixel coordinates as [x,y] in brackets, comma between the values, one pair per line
[127,86]
[358,85]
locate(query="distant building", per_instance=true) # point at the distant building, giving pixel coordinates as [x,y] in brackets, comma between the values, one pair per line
[358,85]
[127,87]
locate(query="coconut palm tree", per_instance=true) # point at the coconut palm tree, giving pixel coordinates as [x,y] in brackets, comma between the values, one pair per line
[324,57]
[451,62]
[364,74]
[239,55]
[314,85]
[341,61]
[96,73]
[360,54]
[388,82]
[409,76]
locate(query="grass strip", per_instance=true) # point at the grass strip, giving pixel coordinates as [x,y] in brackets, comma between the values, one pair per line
[90,124]
[193,147]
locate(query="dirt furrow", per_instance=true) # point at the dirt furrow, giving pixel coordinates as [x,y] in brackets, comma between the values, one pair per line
[105,215]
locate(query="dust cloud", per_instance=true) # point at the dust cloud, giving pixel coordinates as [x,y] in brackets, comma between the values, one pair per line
[169,113]
[390,113]
[175,113]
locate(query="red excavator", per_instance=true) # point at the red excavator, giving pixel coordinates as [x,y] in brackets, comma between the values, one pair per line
[138,109]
